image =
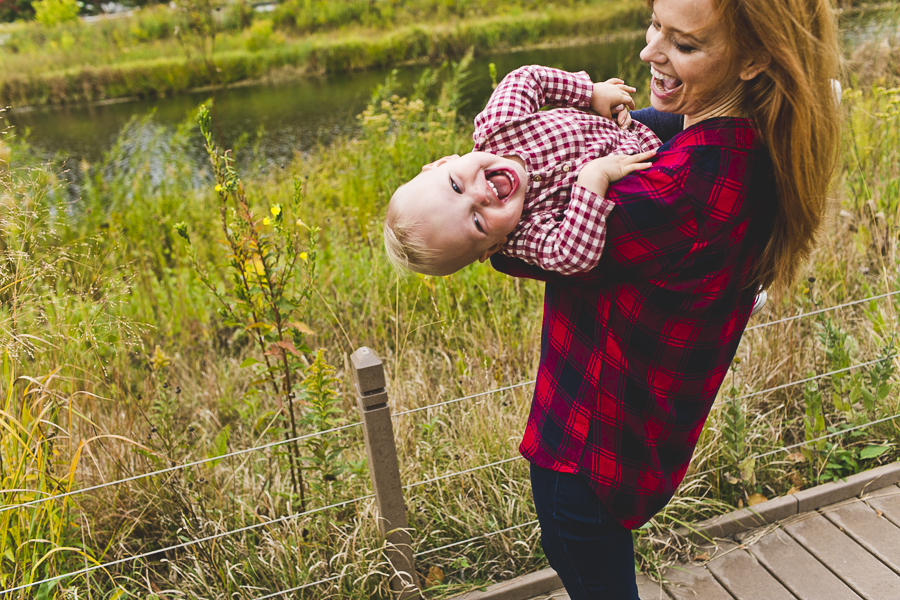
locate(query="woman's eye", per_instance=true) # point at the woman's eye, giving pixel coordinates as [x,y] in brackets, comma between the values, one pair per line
[455,187]
[478,225]
[684,49]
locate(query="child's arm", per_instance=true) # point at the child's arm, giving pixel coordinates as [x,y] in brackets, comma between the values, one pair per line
[575,243]
[600,172]
[527,90]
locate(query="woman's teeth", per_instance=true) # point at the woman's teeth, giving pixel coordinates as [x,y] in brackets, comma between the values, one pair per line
[664,81]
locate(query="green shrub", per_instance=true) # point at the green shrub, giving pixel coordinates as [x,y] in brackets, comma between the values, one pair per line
[54,12]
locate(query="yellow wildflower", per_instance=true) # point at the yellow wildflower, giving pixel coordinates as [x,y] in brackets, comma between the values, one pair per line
[304,256]
[266,221]
[275,210]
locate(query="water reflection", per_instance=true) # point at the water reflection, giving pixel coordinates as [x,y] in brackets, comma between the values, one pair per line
[298,115]
[293,116]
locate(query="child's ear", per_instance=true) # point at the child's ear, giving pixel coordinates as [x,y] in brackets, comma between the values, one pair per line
[439,162]
[492,250]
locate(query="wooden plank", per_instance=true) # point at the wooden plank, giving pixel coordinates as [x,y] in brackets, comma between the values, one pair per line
[687,582]
[744,578]
[798,570]
[874,533]
[559,594]
[887,501]
[845,558]
[649,589]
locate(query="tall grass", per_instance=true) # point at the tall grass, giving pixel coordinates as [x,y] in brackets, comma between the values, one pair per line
[181,393]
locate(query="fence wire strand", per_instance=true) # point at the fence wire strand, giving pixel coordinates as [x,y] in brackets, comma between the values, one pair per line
[477,537]
[300,587]
[208,538]
[446,402]
[822,310]
[171,469]
[804,443]
[448,476]
[813,378]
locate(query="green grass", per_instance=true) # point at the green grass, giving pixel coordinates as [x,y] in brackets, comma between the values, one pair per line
[137,349]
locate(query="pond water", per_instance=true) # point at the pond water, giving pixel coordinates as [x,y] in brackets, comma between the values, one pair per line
[295,115]
[298,115]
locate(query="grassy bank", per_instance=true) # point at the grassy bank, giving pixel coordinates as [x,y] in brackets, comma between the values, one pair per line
[66,65]
[134,341]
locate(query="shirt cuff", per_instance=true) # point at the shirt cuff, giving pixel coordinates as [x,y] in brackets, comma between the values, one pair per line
[584,89]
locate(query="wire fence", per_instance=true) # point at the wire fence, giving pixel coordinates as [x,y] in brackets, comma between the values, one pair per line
[218,458]
[186,544]
[291,517]
[803,443]
[822,310]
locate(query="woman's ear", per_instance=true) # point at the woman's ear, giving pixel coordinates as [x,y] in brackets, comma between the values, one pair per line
[755,65]
[439,162]
[492,250]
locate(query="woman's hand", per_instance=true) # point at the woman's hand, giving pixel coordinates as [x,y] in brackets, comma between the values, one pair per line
[600,172]
[610,97]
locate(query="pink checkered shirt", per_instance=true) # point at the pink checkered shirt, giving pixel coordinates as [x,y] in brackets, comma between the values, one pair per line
[563,225]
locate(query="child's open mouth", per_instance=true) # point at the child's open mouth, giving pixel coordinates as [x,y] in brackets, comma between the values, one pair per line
[662,83]
[503,183]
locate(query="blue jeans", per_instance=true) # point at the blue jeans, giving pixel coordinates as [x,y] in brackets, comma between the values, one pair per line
[592,553]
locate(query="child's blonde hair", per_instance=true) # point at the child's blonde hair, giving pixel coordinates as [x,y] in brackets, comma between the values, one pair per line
[405,247]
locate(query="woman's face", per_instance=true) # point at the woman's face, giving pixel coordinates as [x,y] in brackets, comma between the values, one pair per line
[691,74]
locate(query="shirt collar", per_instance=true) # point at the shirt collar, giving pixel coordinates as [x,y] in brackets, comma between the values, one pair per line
[731,132]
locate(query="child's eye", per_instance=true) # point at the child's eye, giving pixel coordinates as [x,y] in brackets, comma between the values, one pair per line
[455,187]
[478,224]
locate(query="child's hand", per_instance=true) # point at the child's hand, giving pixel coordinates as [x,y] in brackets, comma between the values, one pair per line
[610,97]
[600,172]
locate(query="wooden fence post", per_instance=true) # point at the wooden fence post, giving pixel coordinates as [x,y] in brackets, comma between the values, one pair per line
[381,450]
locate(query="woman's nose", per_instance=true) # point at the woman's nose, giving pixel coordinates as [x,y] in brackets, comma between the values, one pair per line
[651,53]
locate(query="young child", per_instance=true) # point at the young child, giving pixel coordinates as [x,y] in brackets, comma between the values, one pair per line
[532,187]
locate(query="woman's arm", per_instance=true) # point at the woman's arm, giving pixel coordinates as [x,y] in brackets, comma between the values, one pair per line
[655,221]
[664,125]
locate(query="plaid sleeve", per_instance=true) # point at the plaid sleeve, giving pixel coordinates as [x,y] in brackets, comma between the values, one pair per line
[658,216]
[572,245]
[663,215]
[527,90]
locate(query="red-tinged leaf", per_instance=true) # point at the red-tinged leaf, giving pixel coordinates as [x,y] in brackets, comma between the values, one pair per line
[289,346]
[302,328]
[278,352]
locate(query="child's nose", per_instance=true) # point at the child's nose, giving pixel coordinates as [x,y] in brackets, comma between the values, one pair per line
[483,194]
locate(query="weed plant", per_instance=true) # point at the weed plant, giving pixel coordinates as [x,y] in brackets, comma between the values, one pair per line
[179,394]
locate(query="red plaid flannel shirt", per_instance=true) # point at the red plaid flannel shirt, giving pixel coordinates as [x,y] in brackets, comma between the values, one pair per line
[633,353]
[562,223]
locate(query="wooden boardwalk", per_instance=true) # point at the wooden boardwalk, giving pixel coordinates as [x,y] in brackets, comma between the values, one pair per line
[844,551]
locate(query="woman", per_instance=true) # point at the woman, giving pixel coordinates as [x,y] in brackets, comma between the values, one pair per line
[633,353]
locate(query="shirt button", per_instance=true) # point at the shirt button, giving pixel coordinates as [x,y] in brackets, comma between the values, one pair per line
[565,168]
[535,177]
